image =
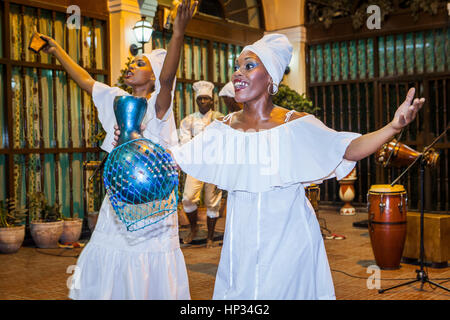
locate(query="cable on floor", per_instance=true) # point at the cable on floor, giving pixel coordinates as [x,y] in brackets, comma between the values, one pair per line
[400,279]
[365,278]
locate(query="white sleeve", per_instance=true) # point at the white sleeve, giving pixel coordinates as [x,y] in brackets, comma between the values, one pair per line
[103,97]
[168,130]
[326,148]
[301,151]
[162,131]
[185,130]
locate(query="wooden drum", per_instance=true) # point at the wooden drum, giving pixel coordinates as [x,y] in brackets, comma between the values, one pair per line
[387,207]
[313,193]
[397,154]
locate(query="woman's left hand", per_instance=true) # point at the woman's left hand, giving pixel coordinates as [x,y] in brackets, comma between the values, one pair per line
[407,111]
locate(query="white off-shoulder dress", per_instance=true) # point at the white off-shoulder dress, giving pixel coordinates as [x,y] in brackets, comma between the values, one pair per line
[116,263]
[273,247]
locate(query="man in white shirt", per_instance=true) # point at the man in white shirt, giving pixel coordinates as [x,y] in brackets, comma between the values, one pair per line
[190,126]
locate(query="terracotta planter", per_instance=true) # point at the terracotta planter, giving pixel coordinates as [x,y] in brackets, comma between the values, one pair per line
[46,234]
[71,230]
[11,239]
[92,220]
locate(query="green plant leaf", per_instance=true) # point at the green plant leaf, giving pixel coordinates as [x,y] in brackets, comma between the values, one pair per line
[292,100]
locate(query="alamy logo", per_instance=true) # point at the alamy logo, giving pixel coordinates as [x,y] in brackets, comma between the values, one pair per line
[74,20]
[73,282]
[374,20]
[374,280]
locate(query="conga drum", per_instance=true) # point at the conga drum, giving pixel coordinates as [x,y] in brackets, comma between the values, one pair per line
[313,193]
[387,207]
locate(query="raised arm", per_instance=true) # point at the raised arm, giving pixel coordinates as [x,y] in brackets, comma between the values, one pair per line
[77,73]
[170,66]
[369,143]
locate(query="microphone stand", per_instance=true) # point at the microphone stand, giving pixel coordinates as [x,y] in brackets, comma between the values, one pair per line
[422,276]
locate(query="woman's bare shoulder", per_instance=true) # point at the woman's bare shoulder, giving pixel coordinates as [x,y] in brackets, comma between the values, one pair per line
[294,114]
[297,115]
[230,117]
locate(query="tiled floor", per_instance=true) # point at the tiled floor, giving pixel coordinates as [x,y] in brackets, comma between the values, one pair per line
[42,274]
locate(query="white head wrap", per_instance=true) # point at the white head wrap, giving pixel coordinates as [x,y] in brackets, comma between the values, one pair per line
[275,52]
[203,88]
[156,58]
[227,90]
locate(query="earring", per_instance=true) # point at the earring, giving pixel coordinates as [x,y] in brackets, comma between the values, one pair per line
[271,85]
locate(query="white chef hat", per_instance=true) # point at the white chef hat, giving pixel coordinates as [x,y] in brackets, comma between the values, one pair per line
[227,90]
[156,58]
[203,88]
[275,52]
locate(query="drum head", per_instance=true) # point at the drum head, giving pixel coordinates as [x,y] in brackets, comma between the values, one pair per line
[387,188]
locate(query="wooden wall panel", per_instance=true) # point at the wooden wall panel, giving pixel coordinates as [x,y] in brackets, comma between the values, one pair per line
[359,78]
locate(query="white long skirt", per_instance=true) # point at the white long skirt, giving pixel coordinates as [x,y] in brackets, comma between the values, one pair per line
[110,267]
[273,249]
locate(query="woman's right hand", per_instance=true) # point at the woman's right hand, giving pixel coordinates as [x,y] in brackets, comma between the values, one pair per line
[51,46]
[185,11]
[117,133]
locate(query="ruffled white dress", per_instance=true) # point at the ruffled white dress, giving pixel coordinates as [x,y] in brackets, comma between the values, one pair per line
[273,247]
[115,264]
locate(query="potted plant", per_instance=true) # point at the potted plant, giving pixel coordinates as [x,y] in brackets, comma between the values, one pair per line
[292,100]
[12,229]
[71,230]
[46,224]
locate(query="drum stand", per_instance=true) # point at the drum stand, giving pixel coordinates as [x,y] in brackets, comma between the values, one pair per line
[422,276]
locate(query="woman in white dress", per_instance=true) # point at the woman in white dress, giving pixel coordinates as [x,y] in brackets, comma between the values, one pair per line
[114,264]
[264,156]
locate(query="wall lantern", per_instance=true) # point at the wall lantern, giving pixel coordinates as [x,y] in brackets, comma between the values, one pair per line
[143,32]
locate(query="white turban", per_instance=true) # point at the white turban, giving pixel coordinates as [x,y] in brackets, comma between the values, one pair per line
[203,88]
[156,58]
[227,90]
[275,52]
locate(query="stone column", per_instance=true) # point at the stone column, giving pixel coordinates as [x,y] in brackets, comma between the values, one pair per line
[123,16]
